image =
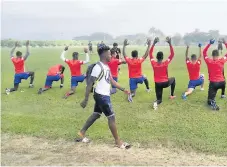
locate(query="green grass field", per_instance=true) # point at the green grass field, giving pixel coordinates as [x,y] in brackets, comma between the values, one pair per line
[189,125]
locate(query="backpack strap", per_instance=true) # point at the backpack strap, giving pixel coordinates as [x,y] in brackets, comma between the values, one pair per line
[101,73]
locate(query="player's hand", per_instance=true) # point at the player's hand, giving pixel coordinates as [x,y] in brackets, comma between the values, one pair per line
[156,40]
[66,48]
[27,43]
[83,104]
[61,86]
[16,44]
[126,42]
[148,42]
[85,50]
[212,41]
[127,92]
[199,45]
[168,40]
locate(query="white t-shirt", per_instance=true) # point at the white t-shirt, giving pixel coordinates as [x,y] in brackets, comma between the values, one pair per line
[102,86]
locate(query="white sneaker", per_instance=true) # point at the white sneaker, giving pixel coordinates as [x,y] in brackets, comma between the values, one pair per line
[223,96]
[148,90]
[31,86]
[202,89]
[130,98]
[7,91]
[155,105]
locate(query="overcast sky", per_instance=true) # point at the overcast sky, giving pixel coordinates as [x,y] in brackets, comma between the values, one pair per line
[65,19]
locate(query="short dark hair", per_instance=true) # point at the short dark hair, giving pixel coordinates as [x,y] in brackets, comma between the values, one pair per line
[102,49]
[193,56]
[18,53]
[115,44]
[159,56]
[215,52]
[75,54]
[134,53]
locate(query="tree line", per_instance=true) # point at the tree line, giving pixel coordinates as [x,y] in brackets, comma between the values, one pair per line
[135,39]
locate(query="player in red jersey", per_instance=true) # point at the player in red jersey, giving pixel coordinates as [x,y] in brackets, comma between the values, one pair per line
[55,73]
[160,68]
[20,73]
[193,66]
[215,67]
[114,66]
[75,69]
[135,69]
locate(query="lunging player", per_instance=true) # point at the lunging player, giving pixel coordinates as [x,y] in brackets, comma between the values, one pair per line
[20,73]
[135,69]
[55,73]
[215,67]
[160,68]
[193,66]
[113,65]
[75,69]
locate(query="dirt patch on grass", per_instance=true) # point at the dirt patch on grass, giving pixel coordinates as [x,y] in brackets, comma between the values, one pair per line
[32,151]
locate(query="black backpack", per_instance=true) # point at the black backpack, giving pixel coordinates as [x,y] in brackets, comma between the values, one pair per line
[89,71]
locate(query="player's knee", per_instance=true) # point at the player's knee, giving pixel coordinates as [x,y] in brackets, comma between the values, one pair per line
[32,73]
[111,117]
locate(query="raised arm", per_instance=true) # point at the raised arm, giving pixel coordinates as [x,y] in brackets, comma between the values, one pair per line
[124,46]
[148,48]
[12,51]
[27,51]
[200,51]
[170,58]
[225,43]
[63,53]
[87,56]
[205,56]
[186,53]
[152,48]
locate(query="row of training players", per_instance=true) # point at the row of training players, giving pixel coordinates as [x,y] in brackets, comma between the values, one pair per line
[135,75]
[102,91]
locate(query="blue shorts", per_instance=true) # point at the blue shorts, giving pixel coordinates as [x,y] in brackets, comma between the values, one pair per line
[115,79]
[134,81]
[20,76]
[50,79]
[76,79]
[193,83]
[103,105]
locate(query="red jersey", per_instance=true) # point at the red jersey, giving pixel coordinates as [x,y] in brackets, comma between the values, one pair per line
[54,70]
[113,65]
[161,68]
[193,69]
[215,67]
[18,64]
[75,67]
[134,67]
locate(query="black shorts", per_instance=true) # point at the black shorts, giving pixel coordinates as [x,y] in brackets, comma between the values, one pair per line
[163,84]
[103,105]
